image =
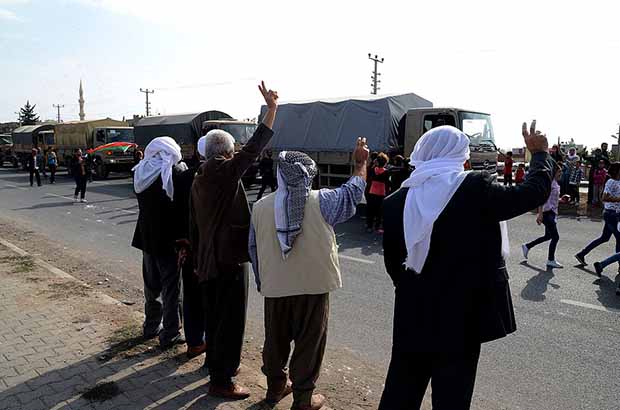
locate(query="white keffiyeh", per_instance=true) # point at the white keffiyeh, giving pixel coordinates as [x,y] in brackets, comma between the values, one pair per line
[296,171]
[439,157]
[160,156]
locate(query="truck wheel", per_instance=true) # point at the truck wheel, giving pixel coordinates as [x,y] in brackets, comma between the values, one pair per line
[102,171]
[15,163]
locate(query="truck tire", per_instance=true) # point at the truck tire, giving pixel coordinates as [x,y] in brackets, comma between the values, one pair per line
[102,171]
[15,163]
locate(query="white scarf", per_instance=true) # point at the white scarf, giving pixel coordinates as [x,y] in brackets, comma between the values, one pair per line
[160,156]
[439,157]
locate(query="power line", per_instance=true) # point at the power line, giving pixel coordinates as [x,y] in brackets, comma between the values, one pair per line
[58,106]
[148,104]
[375,73]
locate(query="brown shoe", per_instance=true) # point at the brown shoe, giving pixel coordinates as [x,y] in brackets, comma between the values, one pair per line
[195,351]
[316,402]
[275,395]
[231,391]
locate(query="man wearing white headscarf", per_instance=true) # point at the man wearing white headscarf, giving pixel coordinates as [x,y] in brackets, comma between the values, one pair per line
[444,248]
[295,259]
[160,224]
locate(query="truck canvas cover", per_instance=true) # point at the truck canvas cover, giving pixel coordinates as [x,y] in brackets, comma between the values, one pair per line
[183,128]
[78,134]
[335,125]
[25,135]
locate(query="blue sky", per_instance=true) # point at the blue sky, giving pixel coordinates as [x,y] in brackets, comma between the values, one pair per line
[556,62]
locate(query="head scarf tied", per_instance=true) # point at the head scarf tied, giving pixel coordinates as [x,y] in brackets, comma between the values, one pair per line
[439,158]
[160,156]
[202,146]
[296,171]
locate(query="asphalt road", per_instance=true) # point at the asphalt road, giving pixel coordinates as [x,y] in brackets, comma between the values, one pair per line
[565,354]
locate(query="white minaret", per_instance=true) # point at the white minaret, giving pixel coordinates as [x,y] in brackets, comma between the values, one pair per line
[81,101]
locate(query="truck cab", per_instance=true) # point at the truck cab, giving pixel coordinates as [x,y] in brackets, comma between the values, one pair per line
[104,160]
[476,125]
[241,131]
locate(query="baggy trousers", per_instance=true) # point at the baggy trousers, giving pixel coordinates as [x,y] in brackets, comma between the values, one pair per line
[194,321]
[162,288]
[301,319]
[225,301]
[452,377]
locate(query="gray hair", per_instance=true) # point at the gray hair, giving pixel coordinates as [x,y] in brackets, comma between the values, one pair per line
[218,142]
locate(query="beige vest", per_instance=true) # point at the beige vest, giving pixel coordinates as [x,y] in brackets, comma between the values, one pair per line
[311,267]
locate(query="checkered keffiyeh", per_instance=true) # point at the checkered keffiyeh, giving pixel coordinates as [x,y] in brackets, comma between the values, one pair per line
[296,171]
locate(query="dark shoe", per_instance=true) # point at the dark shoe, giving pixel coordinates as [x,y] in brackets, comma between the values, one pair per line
[195,351]
[581,259]
[152,335]
[177,340]
[598,268]
[231,391]
[275,395]
[316,402]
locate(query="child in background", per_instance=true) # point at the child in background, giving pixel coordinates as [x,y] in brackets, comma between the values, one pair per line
[547,215]
[508,162]
[379,188]
[574,180]
[599,179]
[520,174]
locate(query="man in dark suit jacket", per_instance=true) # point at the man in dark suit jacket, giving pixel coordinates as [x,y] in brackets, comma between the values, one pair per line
[461,297]
[34,165]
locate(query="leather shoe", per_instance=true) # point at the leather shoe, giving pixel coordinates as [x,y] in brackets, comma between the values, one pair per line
[276,394]
[195,351]
[231,391]
[316,402]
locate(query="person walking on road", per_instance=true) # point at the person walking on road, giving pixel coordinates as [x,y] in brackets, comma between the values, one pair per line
[79,172]
[219,224]
[265,167]
[451,295]
[159,227]
[52,164]
[547,216]
[295,259]
[508,163]
[34,165]
[379,188]
[611,214]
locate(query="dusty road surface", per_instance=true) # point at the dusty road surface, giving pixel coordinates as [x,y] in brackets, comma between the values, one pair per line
[564,355]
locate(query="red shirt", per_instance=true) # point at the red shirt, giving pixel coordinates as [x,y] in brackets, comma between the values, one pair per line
[520,175]
[508,166]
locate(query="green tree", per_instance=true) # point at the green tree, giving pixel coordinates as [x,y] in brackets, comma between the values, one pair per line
[27,116]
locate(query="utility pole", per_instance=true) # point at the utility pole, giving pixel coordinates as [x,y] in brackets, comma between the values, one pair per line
[58,106]
[375,74]
[148,104]
[617,138]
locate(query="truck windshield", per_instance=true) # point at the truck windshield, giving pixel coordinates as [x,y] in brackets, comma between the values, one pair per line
[119,135]
[241,132]
[479,129]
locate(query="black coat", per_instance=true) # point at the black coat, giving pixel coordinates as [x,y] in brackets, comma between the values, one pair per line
[462,297]
[161,222]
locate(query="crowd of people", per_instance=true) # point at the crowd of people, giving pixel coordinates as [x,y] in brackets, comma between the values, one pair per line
[199,237]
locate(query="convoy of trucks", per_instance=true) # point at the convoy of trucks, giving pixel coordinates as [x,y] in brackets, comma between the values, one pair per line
[325,129]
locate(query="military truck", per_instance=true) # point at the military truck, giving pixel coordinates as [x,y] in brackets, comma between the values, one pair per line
[6,150]
[27,137]
[476,125]
[91,134]
[327,130]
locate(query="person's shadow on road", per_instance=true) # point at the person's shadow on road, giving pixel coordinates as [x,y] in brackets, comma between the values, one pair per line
[538,285]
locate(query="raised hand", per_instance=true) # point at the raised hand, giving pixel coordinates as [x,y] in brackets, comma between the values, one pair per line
[361,152]
[270,96]
[535,141]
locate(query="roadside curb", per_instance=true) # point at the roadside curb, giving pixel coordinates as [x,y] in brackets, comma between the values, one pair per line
[60,274]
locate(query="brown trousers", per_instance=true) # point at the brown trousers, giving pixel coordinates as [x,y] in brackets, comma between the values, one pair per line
[301,319]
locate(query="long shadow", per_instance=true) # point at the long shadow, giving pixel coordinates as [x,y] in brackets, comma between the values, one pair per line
[124,191]
[108,374]
[538,285]
[606,293]
[66,202]
[131,221]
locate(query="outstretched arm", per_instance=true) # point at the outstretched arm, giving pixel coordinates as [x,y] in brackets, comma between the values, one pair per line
[504,203]
[339,205]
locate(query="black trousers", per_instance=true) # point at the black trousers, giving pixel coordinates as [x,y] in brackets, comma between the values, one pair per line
[194,322]
[269,182]
[34,172]
[374,211]
[52,174]
[226,301]
[508,179]
[80,186]
[452,377]
[551,234]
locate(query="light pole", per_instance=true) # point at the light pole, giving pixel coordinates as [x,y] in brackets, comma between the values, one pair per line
[617,138]
[375,75]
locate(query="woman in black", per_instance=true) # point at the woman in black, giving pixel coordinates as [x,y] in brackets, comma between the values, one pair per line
[79,171]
